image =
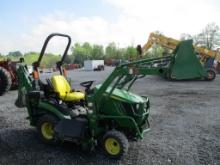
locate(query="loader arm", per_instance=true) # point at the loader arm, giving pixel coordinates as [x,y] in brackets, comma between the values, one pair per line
[24,84]
[125,75]
[24,79]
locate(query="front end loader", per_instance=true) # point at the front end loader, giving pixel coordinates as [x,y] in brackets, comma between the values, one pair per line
[107,114]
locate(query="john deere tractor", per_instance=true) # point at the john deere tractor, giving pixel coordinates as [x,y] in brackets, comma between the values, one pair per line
[106,114]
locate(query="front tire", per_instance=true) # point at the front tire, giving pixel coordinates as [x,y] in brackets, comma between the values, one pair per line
[210,74]
[45,128]
[115,144]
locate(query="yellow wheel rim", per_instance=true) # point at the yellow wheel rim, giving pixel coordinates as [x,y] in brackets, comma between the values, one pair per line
[47,130]
[112,146]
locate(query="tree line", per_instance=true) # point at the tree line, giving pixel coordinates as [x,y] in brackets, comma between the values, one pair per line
[209,38]
[79,53]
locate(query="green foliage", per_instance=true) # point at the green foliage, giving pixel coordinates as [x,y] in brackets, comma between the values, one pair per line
[68,59]
[130,53]
[16,54]
[1,57]
[49,60]
[97,52]
[86,51]
[80,52]
[31,57]
[111,51]
[156,51]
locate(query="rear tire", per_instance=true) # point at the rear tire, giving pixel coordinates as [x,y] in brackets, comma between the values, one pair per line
[115,144]
[210,74]
[5,81]
[45,128]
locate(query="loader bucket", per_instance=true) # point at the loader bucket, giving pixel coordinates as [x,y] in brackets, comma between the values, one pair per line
[186,64]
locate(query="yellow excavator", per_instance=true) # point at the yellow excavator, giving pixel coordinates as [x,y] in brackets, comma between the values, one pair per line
[171,43]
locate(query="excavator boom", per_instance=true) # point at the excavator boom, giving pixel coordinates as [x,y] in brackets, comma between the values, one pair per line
[171,43]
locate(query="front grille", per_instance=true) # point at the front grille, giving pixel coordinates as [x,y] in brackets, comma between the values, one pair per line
[130,108]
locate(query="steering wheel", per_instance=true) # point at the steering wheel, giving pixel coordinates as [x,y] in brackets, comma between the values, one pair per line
[87,85]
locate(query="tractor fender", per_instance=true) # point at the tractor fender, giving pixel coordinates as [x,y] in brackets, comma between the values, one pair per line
[45,108]
[48,108]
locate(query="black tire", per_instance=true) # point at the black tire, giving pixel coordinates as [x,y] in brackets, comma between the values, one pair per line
[49,121]
[115,144]
[5,81]
[211,74]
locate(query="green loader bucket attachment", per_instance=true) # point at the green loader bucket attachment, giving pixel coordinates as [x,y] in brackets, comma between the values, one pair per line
[185,64]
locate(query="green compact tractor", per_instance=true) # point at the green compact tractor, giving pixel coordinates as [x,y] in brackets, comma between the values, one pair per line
[107,114]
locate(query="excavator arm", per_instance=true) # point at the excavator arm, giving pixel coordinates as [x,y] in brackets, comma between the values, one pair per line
[162,40]
[171,43]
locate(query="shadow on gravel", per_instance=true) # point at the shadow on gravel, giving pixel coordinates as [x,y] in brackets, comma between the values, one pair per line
[24,147]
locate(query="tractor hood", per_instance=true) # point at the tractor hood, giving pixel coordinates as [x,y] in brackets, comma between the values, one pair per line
[123,95]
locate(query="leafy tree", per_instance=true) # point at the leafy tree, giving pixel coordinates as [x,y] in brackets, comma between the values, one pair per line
[111,51]
[209,37]
[120,53]
[68,59]
[1,56]
[97,52]
[78,59]
[87,49]
[31,57]
[49,60]
[15,54]
[79,53]
[131,53]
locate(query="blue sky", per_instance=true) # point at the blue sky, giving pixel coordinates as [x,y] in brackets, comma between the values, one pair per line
[18,16]
[24,24]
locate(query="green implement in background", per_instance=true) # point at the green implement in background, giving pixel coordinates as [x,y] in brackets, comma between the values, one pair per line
[185,64]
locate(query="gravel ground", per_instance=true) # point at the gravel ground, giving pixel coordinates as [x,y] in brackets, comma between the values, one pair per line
[185,127]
